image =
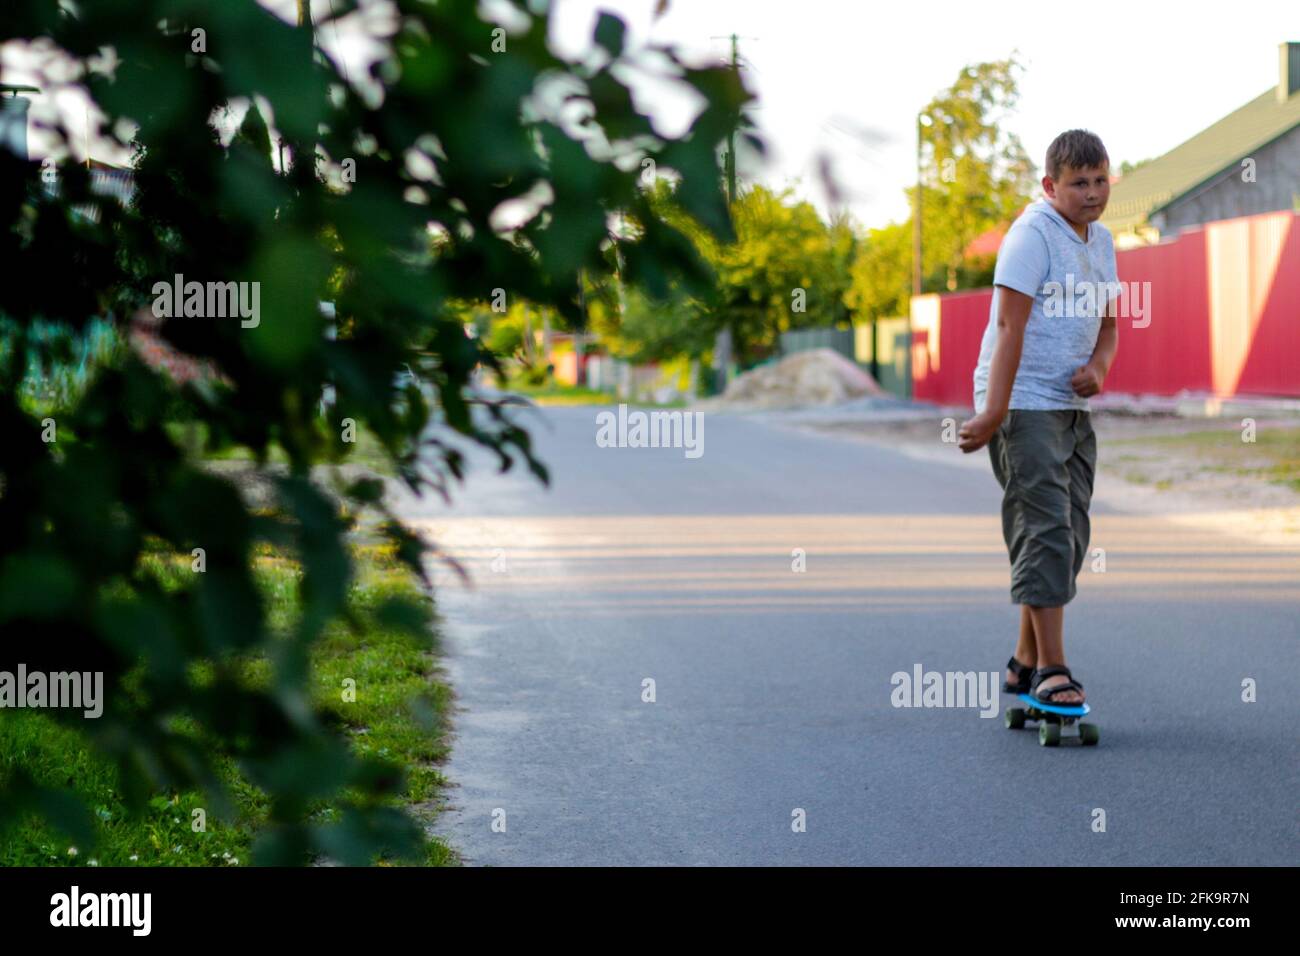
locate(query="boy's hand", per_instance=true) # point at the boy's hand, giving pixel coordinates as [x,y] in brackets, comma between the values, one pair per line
[975,433]
[1087,380]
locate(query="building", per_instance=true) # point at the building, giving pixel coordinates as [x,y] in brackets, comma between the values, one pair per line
[1246,163]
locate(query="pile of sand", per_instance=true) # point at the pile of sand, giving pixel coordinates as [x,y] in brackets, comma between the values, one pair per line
[815,377]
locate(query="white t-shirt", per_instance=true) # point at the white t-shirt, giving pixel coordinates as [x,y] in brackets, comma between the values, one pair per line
[1072,282]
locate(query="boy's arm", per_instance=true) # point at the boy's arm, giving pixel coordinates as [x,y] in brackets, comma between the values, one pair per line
[1013,316]
[1087,379]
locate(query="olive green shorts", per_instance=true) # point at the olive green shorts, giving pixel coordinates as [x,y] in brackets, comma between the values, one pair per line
[1045,462]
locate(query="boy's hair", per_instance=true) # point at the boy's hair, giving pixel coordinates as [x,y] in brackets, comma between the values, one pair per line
[1076,148]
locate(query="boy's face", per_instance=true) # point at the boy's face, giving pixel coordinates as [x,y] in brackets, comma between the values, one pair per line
[1080,195]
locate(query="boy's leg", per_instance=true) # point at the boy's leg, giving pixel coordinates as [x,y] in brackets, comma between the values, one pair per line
[1037,508]
[1049,493]
[1049,626]
[1082,467]
[1026,647]
[1049,622]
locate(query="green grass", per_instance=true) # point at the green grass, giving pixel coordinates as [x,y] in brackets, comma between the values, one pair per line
[554,394]
[366,450]
[394,671]
[1273,456]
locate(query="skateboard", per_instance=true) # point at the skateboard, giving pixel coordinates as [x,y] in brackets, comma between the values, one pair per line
[1051,718]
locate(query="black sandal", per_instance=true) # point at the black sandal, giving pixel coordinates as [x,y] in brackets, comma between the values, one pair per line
[1046,672]
[1024,674]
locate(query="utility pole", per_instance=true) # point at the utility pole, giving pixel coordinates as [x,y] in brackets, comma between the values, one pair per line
[730,163]
[528,336]
[921,122]
[579,367]
[722,344]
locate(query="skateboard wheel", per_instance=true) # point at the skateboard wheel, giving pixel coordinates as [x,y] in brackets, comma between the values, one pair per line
[1089,734]
[1049,735]
[1014,718]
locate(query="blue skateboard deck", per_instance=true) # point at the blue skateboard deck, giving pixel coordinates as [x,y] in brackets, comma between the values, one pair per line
[1081,710]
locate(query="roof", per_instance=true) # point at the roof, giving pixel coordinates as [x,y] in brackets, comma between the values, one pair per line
[1239,134]
[986,243]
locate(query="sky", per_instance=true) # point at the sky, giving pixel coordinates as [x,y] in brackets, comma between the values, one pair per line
[844,79]
[1145,75]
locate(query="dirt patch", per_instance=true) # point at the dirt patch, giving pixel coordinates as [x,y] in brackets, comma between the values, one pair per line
[811,378]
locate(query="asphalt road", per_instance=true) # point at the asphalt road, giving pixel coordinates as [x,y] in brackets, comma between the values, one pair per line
[772,687]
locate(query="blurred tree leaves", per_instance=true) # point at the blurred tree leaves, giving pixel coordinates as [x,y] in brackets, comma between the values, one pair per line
[239,176]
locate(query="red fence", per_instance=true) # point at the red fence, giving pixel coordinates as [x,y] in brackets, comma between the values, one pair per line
[1220,314]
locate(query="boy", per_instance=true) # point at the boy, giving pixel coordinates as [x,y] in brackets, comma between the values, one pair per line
[1040,360]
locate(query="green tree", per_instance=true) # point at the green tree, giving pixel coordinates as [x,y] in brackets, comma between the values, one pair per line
[880,278]
[472,116]
[786,269]
[976,174]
